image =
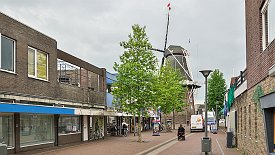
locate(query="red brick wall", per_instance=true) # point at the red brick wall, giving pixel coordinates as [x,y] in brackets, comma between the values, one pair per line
[258,61]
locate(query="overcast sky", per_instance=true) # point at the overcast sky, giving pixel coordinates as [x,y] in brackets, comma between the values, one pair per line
[92,29]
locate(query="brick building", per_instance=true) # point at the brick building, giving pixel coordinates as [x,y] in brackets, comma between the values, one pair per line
[254,101]
[47,96]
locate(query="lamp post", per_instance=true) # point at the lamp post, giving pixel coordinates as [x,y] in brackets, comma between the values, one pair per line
[206,142]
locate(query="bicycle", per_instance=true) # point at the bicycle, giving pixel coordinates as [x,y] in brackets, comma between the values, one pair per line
[97,135]
[125,132]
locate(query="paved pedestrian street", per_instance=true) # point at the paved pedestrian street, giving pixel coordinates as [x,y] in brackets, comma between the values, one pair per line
[192,146]
[166,144]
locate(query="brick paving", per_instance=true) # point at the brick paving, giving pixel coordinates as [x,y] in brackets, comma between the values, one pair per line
[130,146]
[110,145]
[192,145]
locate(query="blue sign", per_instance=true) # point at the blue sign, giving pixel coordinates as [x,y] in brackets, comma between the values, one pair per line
[23,108]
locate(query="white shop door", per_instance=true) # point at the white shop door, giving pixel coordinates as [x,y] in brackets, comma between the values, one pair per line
[85,128]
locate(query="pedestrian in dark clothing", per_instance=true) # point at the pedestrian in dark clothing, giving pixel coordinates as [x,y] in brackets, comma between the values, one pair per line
[181,133]
[181,130]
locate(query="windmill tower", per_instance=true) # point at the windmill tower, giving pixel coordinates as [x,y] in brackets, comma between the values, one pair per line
[178,57]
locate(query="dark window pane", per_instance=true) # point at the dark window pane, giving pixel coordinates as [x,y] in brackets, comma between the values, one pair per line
[7,54]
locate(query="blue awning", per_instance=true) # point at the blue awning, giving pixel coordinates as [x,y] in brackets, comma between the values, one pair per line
[24,108]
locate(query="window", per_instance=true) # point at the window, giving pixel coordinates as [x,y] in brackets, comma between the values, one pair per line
[268,23]
[37,64]
[7,54]
[36,129]
[6,129]
[69,124]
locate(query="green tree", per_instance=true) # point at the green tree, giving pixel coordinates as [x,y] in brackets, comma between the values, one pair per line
[216,90]
[136,73]
[170,92]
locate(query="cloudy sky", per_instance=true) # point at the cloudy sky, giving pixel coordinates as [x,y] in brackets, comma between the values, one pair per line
[92,29]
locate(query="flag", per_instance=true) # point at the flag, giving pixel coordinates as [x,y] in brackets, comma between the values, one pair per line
[169,6]
[225,108]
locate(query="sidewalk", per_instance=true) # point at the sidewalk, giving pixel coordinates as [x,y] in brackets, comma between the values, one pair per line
[167,142]
[192,145]
[110,145]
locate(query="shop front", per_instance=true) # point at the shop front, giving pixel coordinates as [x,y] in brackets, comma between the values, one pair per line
[7,129]
[96,127]
[36,129]
[28,127]
[268,106]
[115,120]
[69,129]
[111,125]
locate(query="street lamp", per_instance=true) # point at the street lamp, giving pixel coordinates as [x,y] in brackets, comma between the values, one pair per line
[206,142]
[206,73]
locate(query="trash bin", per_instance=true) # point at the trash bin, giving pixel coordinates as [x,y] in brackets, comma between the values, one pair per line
[206,144]
[3,149]
[229,139]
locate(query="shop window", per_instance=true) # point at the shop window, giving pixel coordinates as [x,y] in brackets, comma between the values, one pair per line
[7,54]
[69,125]
[36,129]
[268,22]
[37,64]
[6,129]
[97,127]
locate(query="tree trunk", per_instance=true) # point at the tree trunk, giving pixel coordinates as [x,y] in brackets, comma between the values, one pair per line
[165,123]
[174,119]
[139,129]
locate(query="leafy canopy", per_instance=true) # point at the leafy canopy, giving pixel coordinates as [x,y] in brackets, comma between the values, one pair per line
[216,90]
[136,73]
[170,92]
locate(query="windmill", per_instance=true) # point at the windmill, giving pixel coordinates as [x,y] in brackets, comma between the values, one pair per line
[178,56]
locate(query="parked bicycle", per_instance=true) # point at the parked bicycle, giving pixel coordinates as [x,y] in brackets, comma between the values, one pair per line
[98,135]
[125,132]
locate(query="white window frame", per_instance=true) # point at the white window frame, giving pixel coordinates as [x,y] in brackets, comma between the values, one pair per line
[265,38]
[35,65]
[14,54]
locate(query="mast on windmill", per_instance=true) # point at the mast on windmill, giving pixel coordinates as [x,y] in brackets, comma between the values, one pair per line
[166,35]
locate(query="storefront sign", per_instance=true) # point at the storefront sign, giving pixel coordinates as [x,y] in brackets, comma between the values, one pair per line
[6,107]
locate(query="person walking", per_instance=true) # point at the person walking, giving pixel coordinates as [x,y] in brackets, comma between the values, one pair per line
[124,129]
